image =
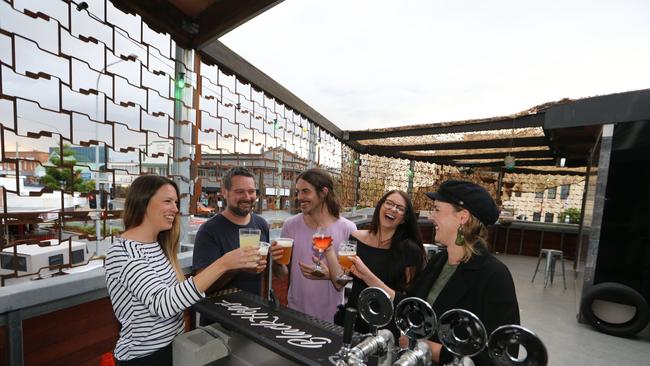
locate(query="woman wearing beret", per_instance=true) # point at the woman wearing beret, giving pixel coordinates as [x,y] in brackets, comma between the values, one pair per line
[465,276]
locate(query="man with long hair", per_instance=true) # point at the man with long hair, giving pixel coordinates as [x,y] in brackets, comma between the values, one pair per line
[315,292]
[220,234]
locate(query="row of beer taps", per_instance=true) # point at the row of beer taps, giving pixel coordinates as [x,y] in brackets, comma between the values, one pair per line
[459,331]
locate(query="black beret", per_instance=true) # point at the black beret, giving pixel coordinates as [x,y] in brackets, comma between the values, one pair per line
[469,196]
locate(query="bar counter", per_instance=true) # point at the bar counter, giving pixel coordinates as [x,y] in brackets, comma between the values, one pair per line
[528,238]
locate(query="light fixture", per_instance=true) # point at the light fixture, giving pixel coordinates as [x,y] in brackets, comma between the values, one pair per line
[180,82]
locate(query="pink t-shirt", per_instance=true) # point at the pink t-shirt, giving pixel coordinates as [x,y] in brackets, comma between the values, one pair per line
[317,298]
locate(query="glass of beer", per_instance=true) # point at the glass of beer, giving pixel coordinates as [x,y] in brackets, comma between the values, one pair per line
[347,250]
[287,247]
[264,249]
[321,240]
[249,237]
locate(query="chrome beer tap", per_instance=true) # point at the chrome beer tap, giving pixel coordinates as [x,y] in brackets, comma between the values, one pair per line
[344,355]
[416,319]
[380,345]
[463,334]
[376,308]
[507,340]
[418,355]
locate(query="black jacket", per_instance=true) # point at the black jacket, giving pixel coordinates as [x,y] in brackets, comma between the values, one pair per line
[483,286]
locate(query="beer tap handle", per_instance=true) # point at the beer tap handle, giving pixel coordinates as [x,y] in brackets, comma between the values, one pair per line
[373,329]
[270,295]
[274,303]
[348,325]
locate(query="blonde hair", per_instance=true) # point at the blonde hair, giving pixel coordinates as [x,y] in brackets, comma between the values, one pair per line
[474,232]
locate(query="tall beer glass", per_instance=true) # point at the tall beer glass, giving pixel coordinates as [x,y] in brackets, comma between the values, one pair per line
[347,250]
[249,237]
[287,247]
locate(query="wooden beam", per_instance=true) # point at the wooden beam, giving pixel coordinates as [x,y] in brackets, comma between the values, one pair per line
[451,162]
[613,108]
[225,15]
[358,147]
[559,171]
[494,155]
[543,162]
[161,16]
[533,120]
[461,145]
[195,32]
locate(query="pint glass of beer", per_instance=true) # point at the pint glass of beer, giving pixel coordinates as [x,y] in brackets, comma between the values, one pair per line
[347,249]
[249,237]
[264,249]
[287,246]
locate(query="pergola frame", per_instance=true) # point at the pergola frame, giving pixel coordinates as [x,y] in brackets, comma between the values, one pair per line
[570,127]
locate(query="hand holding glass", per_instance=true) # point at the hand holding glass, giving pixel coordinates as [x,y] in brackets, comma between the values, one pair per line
[264,249]
[249,237]
[347,250]
[287,246]
[321,241]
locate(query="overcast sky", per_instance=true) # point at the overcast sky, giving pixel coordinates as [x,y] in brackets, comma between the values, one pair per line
[377,63]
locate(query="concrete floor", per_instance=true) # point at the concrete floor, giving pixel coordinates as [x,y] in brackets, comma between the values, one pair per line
[551,313]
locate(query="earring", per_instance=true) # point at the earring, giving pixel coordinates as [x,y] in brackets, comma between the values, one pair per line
[460,237]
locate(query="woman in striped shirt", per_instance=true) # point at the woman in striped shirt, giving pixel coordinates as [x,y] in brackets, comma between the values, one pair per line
[144,280]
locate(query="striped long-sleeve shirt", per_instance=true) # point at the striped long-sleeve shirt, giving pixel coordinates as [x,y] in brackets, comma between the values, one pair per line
[147,298]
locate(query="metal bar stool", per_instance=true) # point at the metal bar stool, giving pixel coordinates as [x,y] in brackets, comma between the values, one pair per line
[551,256]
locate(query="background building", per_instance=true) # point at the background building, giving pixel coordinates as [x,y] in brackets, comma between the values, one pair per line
[275,171]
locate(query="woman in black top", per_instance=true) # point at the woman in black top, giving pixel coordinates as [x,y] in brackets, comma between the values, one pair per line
[465,276]
[390,253]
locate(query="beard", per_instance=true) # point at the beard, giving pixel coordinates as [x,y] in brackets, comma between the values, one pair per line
[239,211]
[312,207]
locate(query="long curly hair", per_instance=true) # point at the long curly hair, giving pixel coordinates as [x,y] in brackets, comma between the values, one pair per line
[320,179]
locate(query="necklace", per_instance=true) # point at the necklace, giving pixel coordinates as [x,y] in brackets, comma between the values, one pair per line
[384,242]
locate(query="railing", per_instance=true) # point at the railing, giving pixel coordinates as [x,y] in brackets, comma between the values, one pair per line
[116,99]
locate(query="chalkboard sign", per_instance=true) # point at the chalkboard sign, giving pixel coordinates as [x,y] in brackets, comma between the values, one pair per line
[294,335]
